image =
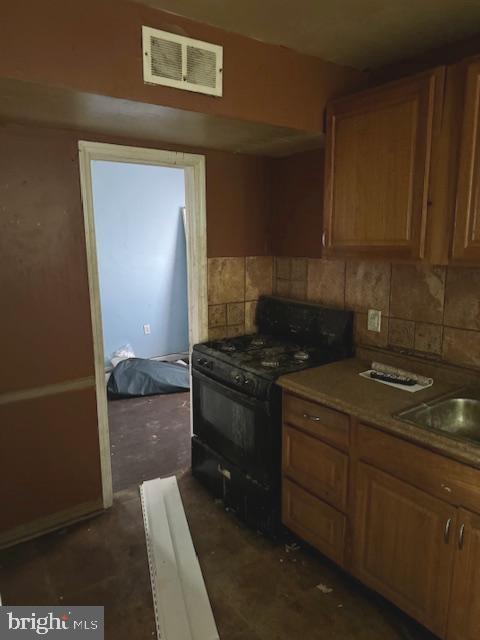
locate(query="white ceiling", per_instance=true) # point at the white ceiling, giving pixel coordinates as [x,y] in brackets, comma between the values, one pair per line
[359,33]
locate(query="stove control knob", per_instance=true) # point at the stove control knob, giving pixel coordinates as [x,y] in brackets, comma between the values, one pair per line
[238,379]
[247,381]
[203,362]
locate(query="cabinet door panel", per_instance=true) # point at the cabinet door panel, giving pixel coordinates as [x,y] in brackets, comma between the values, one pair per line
[401,549]
[313,520]
[466,239]
[464,620]
[316,466]
[377,168]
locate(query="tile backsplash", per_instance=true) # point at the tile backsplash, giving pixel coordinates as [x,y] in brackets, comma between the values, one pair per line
[234,286]
[432,311]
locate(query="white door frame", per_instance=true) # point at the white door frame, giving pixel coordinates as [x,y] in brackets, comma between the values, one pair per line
[196,236]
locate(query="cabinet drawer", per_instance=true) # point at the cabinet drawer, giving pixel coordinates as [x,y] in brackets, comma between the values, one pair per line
[313,520]
[322,422]
[316,466]
[452,481]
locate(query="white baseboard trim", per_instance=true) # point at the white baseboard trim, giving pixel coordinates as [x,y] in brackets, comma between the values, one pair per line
[182,606]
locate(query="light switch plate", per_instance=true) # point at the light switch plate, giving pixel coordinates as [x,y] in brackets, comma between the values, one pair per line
[146,329]
[374,320]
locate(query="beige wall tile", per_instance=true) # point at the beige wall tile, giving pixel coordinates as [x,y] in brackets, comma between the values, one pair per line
[298,289]
[258,276]
[250,311]
[282,287]
[461,346]
[367,286]
[283,268]
[299,269]
[226,280]
[428,337]
[235,313]
[418,292]
[217,333]
[236,330]
[401,333]
[462,298]
[371,338]
[326,282]
[217,315]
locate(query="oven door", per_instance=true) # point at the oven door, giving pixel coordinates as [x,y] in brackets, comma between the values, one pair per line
[244,430]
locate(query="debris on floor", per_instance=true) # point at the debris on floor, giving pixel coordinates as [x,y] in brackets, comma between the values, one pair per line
[323,588]
[136,377]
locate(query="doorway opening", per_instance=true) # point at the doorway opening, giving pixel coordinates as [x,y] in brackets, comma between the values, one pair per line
[146,249]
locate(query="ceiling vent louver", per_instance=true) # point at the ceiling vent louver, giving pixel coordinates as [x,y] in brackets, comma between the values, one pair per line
[176,61]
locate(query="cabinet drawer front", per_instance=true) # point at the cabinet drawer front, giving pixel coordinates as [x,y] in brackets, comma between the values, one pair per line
[327,424]
[319,468]
[313,520]
[442,477]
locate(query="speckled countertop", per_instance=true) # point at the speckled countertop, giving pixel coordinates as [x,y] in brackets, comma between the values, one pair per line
[339,386]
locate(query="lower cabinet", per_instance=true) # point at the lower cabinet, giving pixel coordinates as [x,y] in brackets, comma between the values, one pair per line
[464,621]
[404,546]
[399,517]
[313,520]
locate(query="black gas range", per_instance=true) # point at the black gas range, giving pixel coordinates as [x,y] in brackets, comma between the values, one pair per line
[236,443]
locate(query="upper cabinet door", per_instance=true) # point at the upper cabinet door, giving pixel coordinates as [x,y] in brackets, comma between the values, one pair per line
[377,168]
[466,236]
[464,621]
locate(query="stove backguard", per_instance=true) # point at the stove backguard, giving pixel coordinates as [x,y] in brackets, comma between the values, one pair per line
[305,323]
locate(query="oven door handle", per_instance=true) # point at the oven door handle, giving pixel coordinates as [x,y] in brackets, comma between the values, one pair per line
[233,394]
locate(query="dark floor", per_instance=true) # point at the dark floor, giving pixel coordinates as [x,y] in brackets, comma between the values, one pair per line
[149,438]
[258,590]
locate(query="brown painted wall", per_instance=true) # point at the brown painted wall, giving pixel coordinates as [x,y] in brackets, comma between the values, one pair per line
[49,447]
[296,223]
[238,205]
[44,272]
[49,457]
[95,46]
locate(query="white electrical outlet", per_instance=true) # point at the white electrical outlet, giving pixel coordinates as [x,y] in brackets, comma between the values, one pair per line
[374,320]
[146,329]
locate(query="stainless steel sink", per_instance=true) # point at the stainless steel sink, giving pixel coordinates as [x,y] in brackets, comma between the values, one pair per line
[457,414]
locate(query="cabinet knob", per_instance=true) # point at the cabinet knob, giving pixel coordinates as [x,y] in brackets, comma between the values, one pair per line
[307,416]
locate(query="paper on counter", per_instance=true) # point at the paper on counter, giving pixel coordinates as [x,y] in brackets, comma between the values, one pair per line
[413,389]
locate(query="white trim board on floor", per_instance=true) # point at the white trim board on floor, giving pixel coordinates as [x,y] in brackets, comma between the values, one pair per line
[182,606]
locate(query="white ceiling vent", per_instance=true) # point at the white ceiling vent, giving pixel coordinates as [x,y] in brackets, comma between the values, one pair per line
[176,61]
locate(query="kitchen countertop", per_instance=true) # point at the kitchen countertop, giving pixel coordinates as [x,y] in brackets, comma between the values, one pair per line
[338,385]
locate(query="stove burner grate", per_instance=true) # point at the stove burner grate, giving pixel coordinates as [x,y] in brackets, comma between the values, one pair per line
[258,341]
[301,356]
[227,347]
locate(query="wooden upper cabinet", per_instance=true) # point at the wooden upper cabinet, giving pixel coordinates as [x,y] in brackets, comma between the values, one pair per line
[466,235]
[405,546]
[377,168]
[464,620]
